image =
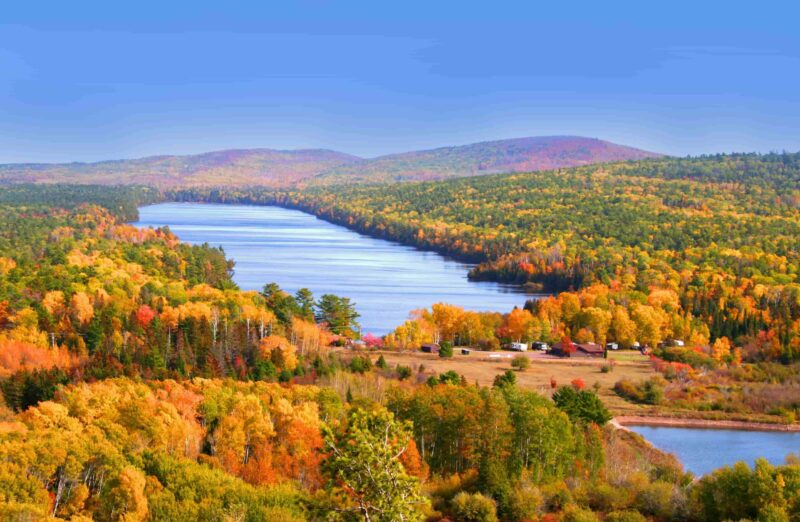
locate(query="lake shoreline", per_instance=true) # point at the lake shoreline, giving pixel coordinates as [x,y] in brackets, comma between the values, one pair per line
[623,421]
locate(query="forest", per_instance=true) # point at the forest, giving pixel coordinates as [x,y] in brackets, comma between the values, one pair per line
[709,245]
[140,383]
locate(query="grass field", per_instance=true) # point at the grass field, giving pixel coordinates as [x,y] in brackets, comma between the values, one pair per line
[478,367]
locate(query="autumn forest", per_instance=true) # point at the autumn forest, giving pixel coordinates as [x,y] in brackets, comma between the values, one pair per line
[139,382]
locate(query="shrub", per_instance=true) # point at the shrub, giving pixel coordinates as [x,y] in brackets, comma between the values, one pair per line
[656,500]
[521,362]
[381,363]
[473,508]
[403,372]
[446,349]
[576,514]
[607,368]
[625,516]
[581,405]
[605,497]
[650,391]
[524,503]
[360,364]
[450,377]
[505,379]
[557,496]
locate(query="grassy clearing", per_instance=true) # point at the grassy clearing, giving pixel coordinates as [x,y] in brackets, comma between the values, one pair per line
[477,367]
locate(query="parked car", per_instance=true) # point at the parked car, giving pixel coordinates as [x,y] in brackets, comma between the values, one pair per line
[612,346]
[518,347]
[542,347]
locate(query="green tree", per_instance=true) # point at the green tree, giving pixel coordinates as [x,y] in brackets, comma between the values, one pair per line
[505,379]
[581,405]
[305,303]
[521,362]
[339,314]
[366,472]
[473,508]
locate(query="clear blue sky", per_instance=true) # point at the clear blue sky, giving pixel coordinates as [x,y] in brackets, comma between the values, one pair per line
[84,80]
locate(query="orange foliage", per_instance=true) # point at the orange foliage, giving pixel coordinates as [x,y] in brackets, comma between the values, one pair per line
[17,355]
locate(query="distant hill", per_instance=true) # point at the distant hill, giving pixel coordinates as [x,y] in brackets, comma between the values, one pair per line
[265,167]
[488,157]
[292,168]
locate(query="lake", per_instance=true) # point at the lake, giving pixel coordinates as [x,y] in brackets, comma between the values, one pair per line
[388,280]
[703,450]
[385,280]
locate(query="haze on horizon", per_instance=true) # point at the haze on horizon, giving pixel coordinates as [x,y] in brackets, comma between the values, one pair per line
[93,81]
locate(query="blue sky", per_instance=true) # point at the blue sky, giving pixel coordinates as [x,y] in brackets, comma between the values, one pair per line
[82,81]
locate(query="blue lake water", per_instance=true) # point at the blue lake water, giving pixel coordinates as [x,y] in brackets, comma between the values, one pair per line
[386,280]
[703,450]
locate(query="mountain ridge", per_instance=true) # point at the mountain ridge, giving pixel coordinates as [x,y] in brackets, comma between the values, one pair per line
[303,167]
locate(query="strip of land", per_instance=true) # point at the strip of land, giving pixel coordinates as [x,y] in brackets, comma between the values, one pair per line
[635,420]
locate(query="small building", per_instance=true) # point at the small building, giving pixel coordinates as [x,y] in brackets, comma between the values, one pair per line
[580,350]
[465,351]
[430,348]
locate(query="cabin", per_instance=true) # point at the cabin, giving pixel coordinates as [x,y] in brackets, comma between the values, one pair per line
[588,350]
[430,348]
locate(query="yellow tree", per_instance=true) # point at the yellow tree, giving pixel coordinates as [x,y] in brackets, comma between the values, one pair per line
[518,324]
[280,351]
[721,350]
[82,308]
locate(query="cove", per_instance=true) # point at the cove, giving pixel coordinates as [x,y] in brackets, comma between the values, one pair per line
[385,280]
[702,450]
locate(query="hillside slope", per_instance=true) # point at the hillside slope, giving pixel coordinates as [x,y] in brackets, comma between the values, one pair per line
[294,168]
[263,167]
[489,157]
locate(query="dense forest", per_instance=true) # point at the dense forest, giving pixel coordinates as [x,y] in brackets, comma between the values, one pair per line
[139,383]
[708,245]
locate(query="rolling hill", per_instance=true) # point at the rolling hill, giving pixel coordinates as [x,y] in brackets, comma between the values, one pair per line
[489,157]
[295,168]
[263,167]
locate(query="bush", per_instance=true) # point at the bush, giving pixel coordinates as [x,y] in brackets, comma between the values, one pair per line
[625,516]
[360,364]
[450,377]
[489,345]
[381,363]
[473,508]
[606,368]
[505,379]
[656,500]
[576,514]
[403,372]
[581,405]
[605,497]
[521,362]
[524,503]
[650,391]
[446,349]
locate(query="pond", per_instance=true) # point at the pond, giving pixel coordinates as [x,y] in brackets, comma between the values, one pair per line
[703,450]
[385,280]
